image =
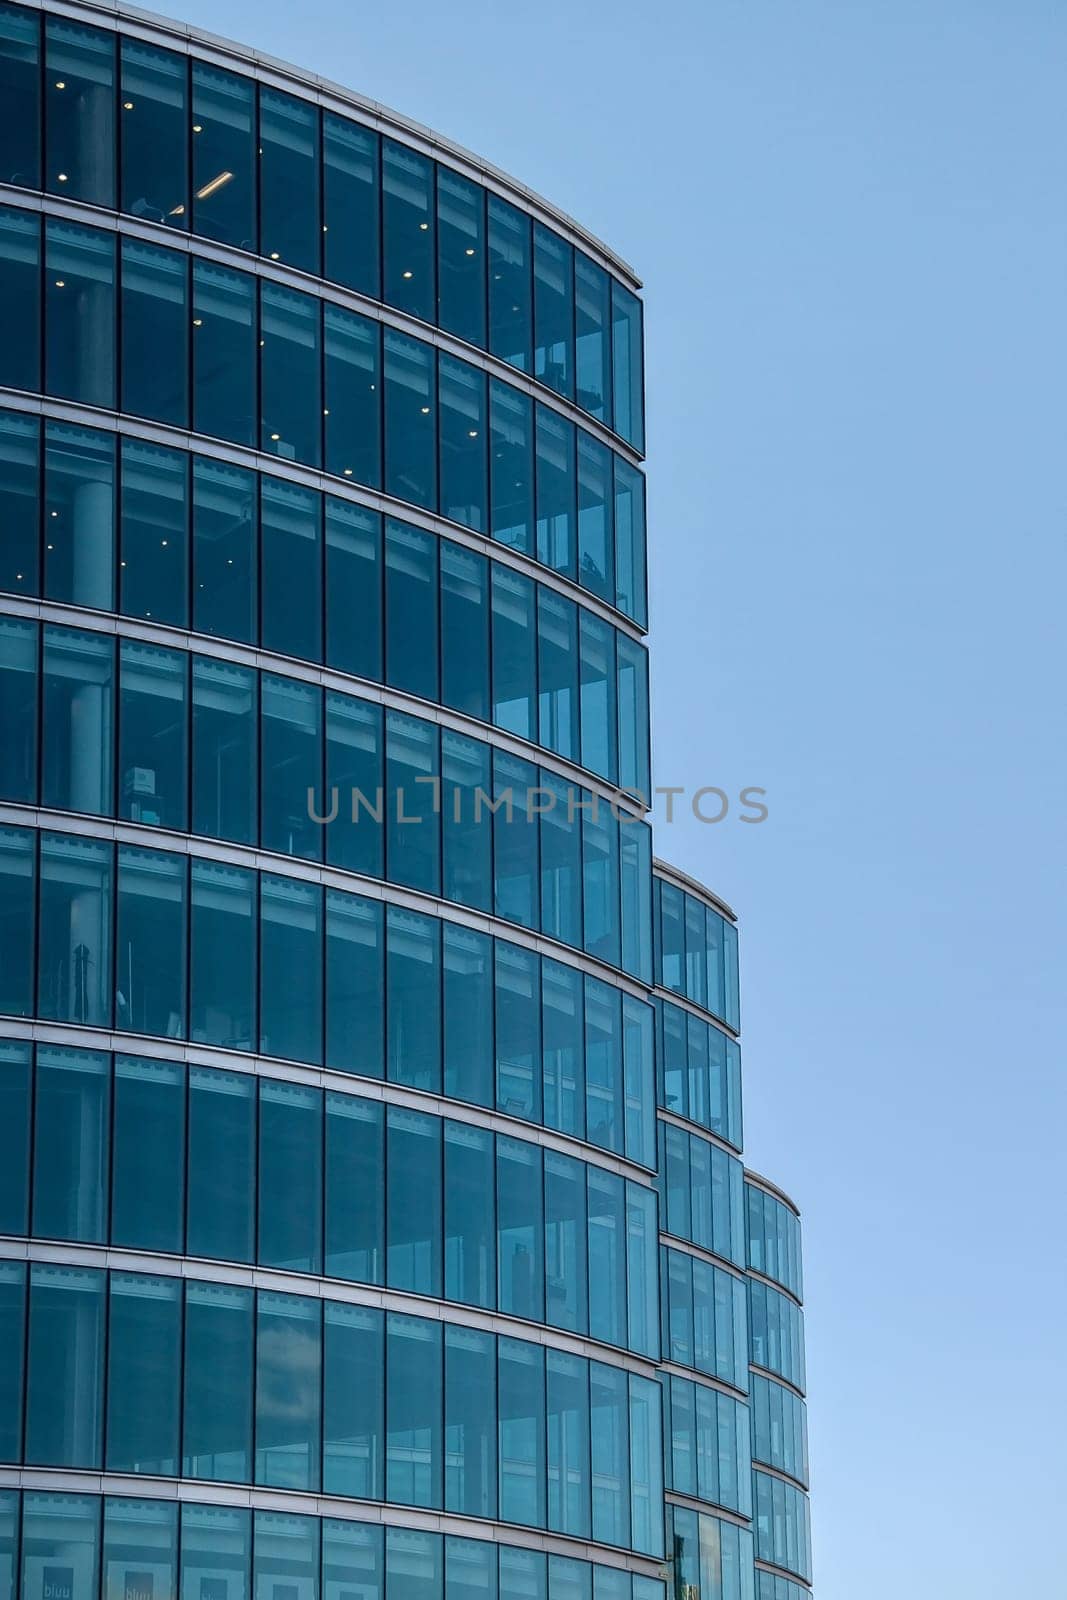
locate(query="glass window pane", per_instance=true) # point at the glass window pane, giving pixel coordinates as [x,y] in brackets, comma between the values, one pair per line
[646,1467]
[414,1416]
[288,1392]
[470,1423]
[18,709]
[150,944]
[20,298]
[631,580]
[511,513]
[518,1031]
[642,1275]
[79,111]
[224,165]
[20,488]
[521,1388]
[603,1065]
[222,1165]
[411,610]
[520,1229]
[510,283]
[291,756]
[290,1012]
[353,1401]
[20,96]
[219,1363]
[464,630]
[564,1048]
[553,311]
[216,1552]
[568,1444]
[407,229]
[470,1224]
[153,734]
[289,225]
[572,1580]
[65,1386]
[610,1433]
[633,715]
[463,443]
[607,1257]
[154,130]
[354,784]
[155,333]
[600,871]
[353,589]
[71,1133]
[639,1076]
[592,307]
[148,1155]
[596,533]
[292,572]
[60,1530]
[467,821]
[523,1573]
[17,902]
[471,1568]
[225,352]
[225,736]
[468,1015]
[561,860]
[355,984]
[414,1562]
[461,286]
[74,971]
[355,1195]
[514,656]
[627,366]
[14,1140]
[154,570]
[598,696]
[353,1559]
[79,495]
[144,1374]
[413,1207]
[12,1379]
[351,160]
[290,1176]
[515,831]
[290,374]
[557,674]
[414,999]
[410,420]
[79,313]
[286,1560]
[353,396]
[412,778]
[556,490]
[566,1243]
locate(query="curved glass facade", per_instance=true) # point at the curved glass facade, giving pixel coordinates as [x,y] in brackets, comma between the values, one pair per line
[373,1224]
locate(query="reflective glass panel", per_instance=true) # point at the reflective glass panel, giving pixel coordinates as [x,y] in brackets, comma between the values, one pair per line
[79,515]
[510,283]
[468,1015]
[464,630]
[463,441]
[71,1136]
[290,1010]
[154,132]
[289,226]
[511,510]
[627,365]
[290,1176]
[411,610]
[355,984]
[412,770]
[290,374]
[353,1401]
[20,97]
[155,333]
[461,285]
[413,943]
[20,298]
[64,1390]
[150,942]
[414,1415]
[153,734]
[353,396]
[222,1166]
[225,351]
[225,699]
[154,565]
[291,758]
[355,1190]
[60,1532]
[292,572]
[470,1423]
[354,779]
[520,1229]
[514,656]
[224,164]
[144,1374]
[14,1139]
[74,963]
[79,299]
[414,1204]
[469,1216]
[410,420]
[20,491]
[18,709]
[225,550]
[148,1158]
[467,824]
[79,111]
[553,311]
[288,1392]
[556,492]
[407,230]
[17,903]
[353,588]
[592,308]
[351,201]
[521,1389]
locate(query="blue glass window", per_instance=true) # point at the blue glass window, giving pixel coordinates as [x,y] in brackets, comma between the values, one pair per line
[290,229]
[631,580]
[224,161]
[154,569]
[407,229]
[412,779]
[463,441]
[553,311]
[154,131]
[222,961]
[413,943]
[414,1563]
[414,1415]
[150,942]
[520,1229]
[155,333]
[287,1555]
[510,283]
[290,374]
[514,656]
[467,832]
[607,1257]
[468,1015]
[64,1419]
[518,1031]
[639,1080]
[353,396]
[20,491]
[18,709]
[515,839]
[12,1377]
[291,758]
[353,1401]
[64,1529]
[627,366]
[354,778]
[144,1374]
[222,1167]
[564,1048]
[470,1422]
[79,111]
[632,680]
[469,1216]
[600,873]
[216,1547]
[290,1176]
[74,962]
[411,611]
[598,693]
[288,1392]
[413,1208]
[71,1134]
[464,629]
[410,420]
[225,739]
[79,313]
[567,1379]
[353,588]
[461,259]
[225,357]
[556,492]
[290,1012]
[566,1244]
[20,96]
[355,1192]
[610,1433]
[646,1466]
[603,1065]
[511,512]
[355,984]
[148,1160]
[17,903]
[351,200]
[561,860]
[14,1139]
[523,1472]
[153,734]
[557,672]
[20,298]
[596,533]
[353,1557]
[292,570]
[592,315]
[642,1273]
[79,554]
[219,1367]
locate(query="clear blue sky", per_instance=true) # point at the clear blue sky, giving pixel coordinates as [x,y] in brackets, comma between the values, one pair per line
[852,226]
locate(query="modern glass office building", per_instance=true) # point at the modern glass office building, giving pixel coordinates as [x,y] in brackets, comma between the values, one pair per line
[372,1217]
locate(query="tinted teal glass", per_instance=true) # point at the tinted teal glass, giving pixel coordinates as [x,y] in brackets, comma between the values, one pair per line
[355,1189]
[603,1065]
[627,366]
[354,779]
[523,1572]
[632,685]
[463,443]
[566,1246]
[148,1161]
[79,504]
[511,510]
[288,1392]
[557,672]
[18,699]
[222,960]
[71,1135]
[292,569]
[407,230]
[224,159]
[216,1548]
[150,947]
[352,396]
[144,1374]
[561,861]
[153,734]
[353,588]
[12,1374]
[607,1256]
[464,630]
[74,957]
[518,1032]
[355,984]
[290,1012]
[413,944]
[598,695]
[352,1553]
[224,750]
[286,1553]
[563,1055]
[520,1229]
[222,1165]
[290,1176]
[290,374]
[600,875]
[642,1274]
[415,1565]
[523,1467]
[514,655]
[411,611]
[14,1138]
[412,769]
[592,316]
[353,1402]
[290,229]
[461,256]
[63,1528]
[510,284]
[639,1080]
[470,1569]
[515,841]
[155,333]
[352,204]
[553,262]
[414,1414]
[20,298]
[80,313]
[596,531]
[79,111]
[20,97]
[291,767]
[154,565]
[414,1201]
[469,1215]
[630,542]
[225,339]
[20,496]
[470,1422]
[556,492]
[410,420]
[646,1466]
[64,1421]
[610,1433]
[154,133]
[218,1392]
[140,1534]
[468,1015]
[466,828]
